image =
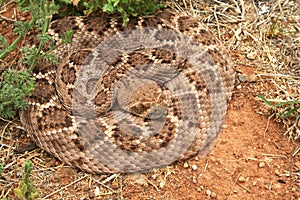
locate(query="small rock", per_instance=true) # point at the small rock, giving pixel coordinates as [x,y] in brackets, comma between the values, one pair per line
[277,172]
[213,195]
[185,165]
[242,179]
[200,188]
[194,180]
[261,164]
[194,167]
[243,77]
[239,87]
[208,192]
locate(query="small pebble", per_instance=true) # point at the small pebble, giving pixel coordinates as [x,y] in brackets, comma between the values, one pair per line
[261,164]
[185,165]
[194,180]
[194,167]
[201,188]
[242,179]
[243,77]
[277,172]
[208,192]
[213,195]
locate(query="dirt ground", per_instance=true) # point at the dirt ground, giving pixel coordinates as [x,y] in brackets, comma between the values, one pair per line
[252,158]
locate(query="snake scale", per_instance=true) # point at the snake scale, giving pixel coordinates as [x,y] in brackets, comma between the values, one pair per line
[127,99]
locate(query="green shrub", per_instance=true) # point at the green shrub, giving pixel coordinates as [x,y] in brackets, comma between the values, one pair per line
[26,189]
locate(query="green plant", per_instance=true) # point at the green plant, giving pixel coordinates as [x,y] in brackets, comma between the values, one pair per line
[288,108]
[41,12]
[16,85]
[126,8]
[26,189]
[1,169]
[14,88]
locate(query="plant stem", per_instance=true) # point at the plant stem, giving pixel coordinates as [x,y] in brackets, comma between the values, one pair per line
[12,46]
[41,44]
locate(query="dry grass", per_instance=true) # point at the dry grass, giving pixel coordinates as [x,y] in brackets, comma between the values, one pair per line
[262,35]
[267,35]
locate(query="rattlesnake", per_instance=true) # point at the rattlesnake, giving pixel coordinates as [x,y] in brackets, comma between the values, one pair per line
[126,99]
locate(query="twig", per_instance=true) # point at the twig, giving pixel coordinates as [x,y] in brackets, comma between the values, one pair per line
[47,196]
[244,188]
[296,151]
[217,21]
[102,184]
[151,183]
[268,123]
[3,18]
[273,155]
[110,178]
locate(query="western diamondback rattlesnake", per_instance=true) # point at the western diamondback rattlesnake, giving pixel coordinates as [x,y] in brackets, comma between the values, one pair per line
[125,99]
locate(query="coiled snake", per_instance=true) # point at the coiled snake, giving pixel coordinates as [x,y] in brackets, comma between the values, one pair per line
[126,99]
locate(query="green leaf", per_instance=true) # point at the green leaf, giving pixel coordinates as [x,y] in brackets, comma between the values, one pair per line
[66,37]
[1,169]
[3,42]
[264,100]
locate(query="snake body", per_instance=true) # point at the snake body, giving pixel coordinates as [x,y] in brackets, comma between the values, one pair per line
[126,99]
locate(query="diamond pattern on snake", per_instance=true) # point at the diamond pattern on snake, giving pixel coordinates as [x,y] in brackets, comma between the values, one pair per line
[129,99]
